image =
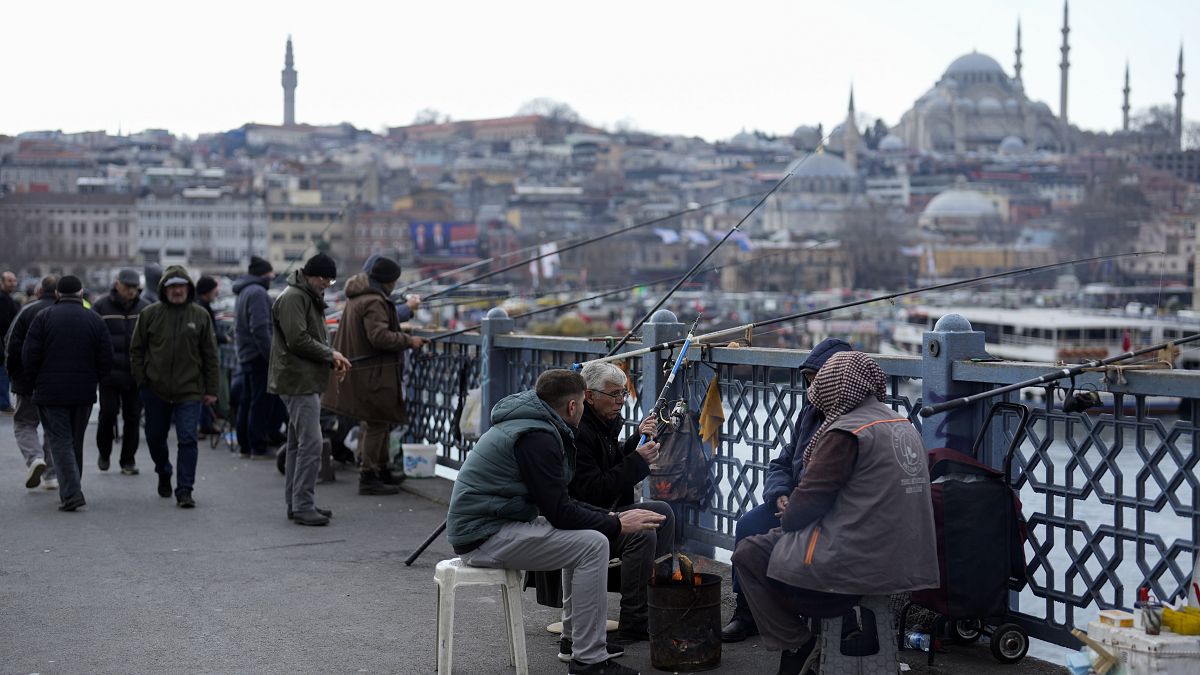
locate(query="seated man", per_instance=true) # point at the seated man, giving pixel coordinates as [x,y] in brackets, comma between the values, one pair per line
[860,522]
[510,509]
[605,475]
[783,475]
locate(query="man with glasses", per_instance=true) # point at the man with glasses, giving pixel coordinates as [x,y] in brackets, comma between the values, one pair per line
[606,472]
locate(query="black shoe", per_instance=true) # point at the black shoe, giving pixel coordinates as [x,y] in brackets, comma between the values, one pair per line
[310,518]
[103,463]
[184,500]
[388,478]
[609,667]
[737,630]
[281,461]
[791,661]
[325,512]
[72,503]
[129,469]
[564,650]
[628,636]
[369,484]
[164,485]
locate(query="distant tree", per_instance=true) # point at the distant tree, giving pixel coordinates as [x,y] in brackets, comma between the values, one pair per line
[1106,222]
[872,245]
[1191,135]
[548,107]
[430,116]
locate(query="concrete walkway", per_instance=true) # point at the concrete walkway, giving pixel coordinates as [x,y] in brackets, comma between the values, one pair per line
[132,584]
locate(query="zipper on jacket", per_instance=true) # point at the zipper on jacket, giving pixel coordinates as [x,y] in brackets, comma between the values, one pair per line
[812,545]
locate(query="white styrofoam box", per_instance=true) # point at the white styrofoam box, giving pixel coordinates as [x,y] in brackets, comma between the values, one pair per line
[420,460]
[1163,654]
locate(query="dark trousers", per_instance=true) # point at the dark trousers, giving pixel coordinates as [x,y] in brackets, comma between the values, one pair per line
[160,415]
[758,520]
[126,402]
[257,409]
[778,608]
[637,551]
[65,427]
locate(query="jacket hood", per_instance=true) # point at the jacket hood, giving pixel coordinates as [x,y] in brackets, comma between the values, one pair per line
[821,353]
[298,281]
[176,272]
[527,406]
[357,285]
[247,280]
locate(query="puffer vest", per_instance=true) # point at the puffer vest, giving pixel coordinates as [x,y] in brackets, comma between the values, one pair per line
[878,538]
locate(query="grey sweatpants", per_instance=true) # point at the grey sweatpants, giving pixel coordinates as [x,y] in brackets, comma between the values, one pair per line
[303,451]
[25,429]
[582,555]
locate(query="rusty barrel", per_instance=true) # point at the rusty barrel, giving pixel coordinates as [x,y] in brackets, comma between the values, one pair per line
[685,624]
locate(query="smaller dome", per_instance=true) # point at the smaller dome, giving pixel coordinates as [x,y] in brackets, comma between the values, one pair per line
[1042,108]
[989,105]
[965,104]
[958,203]
[1011,145]
[1012,105]
[891,143]
[821,165]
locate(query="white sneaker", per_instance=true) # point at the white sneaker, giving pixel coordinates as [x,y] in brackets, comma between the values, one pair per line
[34,477]
[50,483]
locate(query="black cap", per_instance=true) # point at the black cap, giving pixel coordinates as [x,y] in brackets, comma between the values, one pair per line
[385,270]
[259,267]
[320,265]
[205,285]
[69,285]
[129,277]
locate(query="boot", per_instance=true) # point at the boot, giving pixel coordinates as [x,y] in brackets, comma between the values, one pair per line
[388,478]
[369,484]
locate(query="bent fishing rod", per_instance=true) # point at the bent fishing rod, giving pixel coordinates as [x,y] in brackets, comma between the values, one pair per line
[591,240]
[1060,374]
[671,344]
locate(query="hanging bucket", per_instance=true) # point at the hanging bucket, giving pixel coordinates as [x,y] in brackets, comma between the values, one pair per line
[685,624]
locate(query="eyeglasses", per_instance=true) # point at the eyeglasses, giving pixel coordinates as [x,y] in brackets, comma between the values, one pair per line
[616,396]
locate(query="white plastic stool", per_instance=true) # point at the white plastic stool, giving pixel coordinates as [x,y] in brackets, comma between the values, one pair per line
[452,573]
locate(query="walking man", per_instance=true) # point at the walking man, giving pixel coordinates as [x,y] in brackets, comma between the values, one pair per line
[173,356]
[118,392]
[252,332]
[207,290]
[299,372]
[8,312]
[66,352]
[40,464]
[369,332]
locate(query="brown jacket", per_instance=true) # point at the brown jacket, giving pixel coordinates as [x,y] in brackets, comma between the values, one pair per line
[369,335]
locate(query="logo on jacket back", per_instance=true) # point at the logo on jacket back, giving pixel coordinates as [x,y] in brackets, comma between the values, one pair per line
[909,452]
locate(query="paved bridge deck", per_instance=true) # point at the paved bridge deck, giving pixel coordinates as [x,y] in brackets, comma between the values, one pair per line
[132,584]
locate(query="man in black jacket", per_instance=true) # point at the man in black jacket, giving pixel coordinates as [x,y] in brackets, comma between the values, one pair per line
[605,475]
[66,353]
[118,392]
[257,408]
[39,463]
[8,311]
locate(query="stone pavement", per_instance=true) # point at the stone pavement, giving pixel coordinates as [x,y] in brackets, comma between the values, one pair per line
[133,584]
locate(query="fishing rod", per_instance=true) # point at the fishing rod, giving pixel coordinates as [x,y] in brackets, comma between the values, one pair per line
[661,404]
[591,240]
[336,219]
[471,266]
[735,228]
[1061,374]
[671,344]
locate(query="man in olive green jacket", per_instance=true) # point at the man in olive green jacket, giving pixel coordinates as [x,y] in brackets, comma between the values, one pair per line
[173,358]
[299,373]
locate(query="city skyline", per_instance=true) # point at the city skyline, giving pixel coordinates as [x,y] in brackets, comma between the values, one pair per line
[376,67]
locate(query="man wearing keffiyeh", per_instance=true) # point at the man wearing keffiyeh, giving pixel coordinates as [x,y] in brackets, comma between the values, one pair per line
[859,523]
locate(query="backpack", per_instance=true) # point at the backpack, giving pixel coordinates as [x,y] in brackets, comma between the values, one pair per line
[683,472]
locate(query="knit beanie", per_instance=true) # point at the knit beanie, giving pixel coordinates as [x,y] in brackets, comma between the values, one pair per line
[205,285]
[320,265]
[259,267]
[385,270]
[69,285]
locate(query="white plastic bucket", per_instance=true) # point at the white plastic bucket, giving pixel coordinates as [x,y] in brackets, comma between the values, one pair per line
[419,460]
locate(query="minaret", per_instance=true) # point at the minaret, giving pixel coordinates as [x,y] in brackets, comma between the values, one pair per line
[1125,107]
[850,135]
[1063,66]
[289,87]
[1017,65]
[1179,102]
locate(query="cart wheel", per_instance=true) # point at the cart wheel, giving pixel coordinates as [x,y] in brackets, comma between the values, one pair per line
[281,460]
[966,631]
[1009,643]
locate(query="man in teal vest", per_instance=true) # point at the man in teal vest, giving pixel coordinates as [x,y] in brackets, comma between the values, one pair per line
[510,509]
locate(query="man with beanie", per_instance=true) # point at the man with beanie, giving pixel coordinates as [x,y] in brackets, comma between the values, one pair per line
[783,475]
[153,273]
[118,393]
[252,331]
[66,352]
[173,356]
[299,372]
[207,290]
[38,461]
[369,333]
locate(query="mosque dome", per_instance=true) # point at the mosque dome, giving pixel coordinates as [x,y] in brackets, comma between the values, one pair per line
[1012,106]
[990,106]
[966,105]
[1011,145]
[821,165]
[891,143]
[959,203]
[974,63]
[1041,107]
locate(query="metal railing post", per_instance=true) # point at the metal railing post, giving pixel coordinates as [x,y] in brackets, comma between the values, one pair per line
[951,340]
[493,364]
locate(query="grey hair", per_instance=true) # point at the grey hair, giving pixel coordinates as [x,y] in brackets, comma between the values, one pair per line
[598,374]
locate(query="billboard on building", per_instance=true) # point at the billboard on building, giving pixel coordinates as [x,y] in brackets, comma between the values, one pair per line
[438,238]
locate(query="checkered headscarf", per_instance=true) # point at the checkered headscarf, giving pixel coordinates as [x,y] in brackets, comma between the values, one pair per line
[842,384]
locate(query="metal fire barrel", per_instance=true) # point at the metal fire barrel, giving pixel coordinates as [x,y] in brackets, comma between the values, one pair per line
[685,624]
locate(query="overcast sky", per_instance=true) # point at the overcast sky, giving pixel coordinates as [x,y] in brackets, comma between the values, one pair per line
[699,68]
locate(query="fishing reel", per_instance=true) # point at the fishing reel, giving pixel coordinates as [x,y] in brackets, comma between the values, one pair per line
[1080,400]
[669,421]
